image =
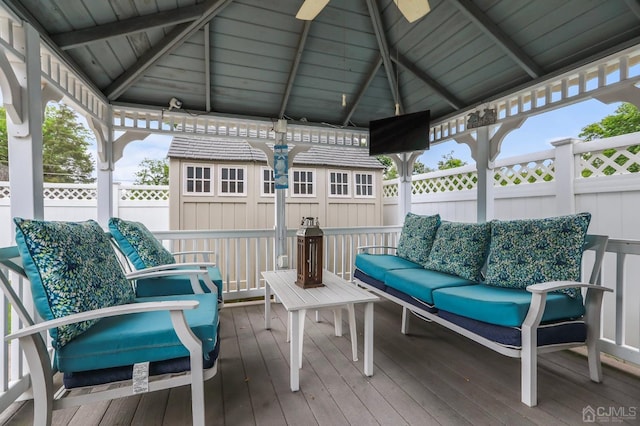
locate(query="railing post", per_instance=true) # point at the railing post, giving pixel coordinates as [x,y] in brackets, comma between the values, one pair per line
[564,166]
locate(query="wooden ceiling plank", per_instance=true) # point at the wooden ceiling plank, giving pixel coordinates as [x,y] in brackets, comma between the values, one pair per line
[73,39]
[174,39]
[363,89]
[473,12]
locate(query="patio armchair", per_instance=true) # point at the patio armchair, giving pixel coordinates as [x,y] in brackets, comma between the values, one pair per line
[148,262]
[100,332]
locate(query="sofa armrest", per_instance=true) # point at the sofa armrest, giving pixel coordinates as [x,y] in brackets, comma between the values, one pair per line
[365,249]
[559,285]
[206,254]
[172,267]
[131,308]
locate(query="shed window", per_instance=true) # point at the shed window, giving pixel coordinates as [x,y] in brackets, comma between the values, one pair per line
[268,181]
[198,180]
[232,180]
[363,184]
[303,183]
[338,184]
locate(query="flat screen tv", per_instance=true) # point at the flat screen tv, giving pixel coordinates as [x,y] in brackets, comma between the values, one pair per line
[400,133]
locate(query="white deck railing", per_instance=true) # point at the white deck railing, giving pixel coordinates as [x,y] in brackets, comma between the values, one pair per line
[242,255]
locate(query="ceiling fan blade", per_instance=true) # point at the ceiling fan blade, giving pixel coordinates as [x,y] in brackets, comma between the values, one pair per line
[413,9]
[310,9]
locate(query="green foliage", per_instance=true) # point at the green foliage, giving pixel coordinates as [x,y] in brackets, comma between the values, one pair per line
[65,143]
[153,172]
[626,119]
[450,162]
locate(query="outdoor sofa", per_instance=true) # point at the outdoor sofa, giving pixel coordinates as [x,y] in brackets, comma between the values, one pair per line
[512,286]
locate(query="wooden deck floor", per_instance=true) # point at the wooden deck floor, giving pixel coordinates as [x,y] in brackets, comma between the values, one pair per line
[430,377]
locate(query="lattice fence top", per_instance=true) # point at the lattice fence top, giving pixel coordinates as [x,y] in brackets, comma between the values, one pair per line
[449,183]
[529,172]
[144,194]
[390,190]
[609,162]
[72,193]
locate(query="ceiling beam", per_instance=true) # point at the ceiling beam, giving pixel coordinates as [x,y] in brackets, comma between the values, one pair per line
[73,39]
[168,44]
[363,88]
[430,82]
[634,5]
[294,67]
[378,29]
[475,14]
[207,67]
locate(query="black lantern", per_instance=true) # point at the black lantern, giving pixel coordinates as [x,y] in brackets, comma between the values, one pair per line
[309,263]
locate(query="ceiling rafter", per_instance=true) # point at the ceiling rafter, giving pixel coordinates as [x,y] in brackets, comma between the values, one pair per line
[634,5]
[168,44]
[180,15]
[383,46]
[475,14]
[363,88]
[294,67]
[430,82]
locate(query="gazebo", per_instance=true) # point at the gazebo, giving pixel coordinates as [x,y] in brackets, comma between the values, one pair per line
[250,69]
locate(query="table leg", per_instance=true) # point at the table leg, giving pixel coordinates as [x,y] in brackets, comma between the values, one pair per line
[301,318]
[352,331]
[337,321]
[267,305]
[368,339]
[294,352]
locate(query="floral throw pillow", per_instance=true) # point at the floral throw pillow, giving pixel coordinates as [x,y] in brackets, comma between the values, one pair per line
[532,251]
[138,244]
[72,268]
[460,249]
[417,237]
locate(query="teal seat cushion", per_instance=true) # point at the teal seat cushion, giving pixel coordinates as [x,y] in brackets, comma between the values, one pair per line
[420,283]
[460,249]
[72,268]
[416,239]
[138,244]
[503,306]
[147,336]
[531,251]
[377,265]
[165,286]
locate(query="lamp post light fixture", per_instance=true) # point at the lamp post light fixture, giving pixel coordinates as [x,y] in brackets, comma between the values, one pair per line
[309,262]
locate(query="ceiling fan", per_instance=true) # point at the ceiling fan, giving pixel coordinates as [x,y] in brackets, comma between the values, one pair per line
[411,9]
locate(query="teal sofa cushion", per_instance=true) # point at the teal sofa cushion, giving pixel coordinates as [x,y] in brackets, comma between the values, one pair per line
[416,239]
[377,265]
[503,306]
[531,251]
[460,249]
[420,283]
[164,286]
[72,268]
[138,244]
[140,337]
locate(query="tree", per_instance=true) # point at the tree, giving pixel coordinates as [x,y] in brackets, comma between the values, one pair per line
[153,172]
[450,162]
[65,142]
[626,119]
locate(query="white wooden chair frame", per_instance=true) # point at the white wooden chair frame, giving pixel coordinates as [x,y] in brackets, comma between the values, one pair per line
[46,398]
[529,330]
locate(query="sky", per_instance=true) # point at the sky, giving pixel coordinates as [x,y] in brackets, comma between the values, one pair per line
[534,135]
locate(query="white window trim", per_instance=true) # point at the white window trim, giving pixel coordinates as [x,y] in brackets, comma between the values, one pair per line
[313,181]
[348,184]
[262,181]
[244,181]
[373,185]
[184,180]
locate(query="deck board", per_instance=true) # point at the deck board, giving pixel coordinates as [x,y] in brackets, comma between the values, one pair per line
[432,376]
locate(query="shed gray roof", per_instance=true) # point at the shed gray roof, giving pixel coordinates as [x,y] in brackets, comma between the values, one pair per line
[220,149]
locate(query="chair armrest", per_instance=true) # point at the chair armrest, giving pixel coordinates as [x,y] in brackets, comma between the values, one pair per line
[171,267]
[560,285]
[206,254]
[112,311]
[365,249]
[146,273]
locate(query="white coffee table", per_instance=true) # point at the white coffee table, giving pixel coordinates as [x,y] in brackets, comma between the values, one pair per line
[335,293]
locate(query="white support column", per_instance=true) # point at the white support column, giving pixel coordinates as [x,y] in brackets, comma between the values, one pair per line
[565,176]
[404,163]
[25,139]
[104,138]
[485,199]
